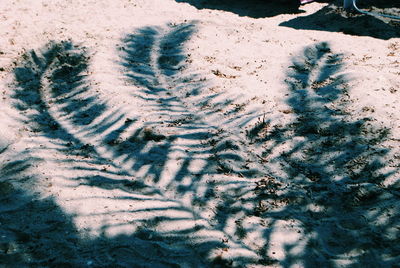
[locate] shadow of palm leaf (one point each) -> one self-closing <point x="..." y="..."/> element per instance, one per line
<point x="175" y="99"/>
<point x="155" y="63"/>
<point x="37" y="93"/>
<point x="183" y="189"/>
<point x="65" y="114"/>
<point x="51" y="92"/>
<point x="46" y="236"/>
<point x="340" y="198"/>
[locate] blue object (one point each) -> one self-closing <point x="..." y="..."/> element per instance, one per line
<point x="351" y="4"/>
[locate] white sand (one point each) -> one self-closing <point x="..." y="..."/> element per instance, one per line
<point x="154" y="134"/>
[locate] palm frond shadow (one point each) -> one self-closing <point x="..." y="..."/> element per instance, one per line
<point x="209" y="206"/>
<point x="46" y="236"/>
<point x="61" y="108"/>
<point x="61" y="67"/>
<point x="335" y="172"/>
<point x="176" y="98"/>
<point x="53" y="78"/>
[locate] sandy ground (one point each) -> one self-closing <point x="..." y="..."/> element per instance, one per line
<point x="162" y="133"/>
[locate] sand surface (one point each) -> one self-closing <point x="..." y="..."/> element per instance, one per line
<point x="163" y="133"/>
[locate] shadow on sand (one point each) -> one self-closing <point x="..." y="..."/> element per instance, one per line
<point x="59" y="106"/>
<point x="333" y="18"/>
<point x="250" y="8"/>
<point x="329" y="181"/>
<point x="335" y="171"/>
